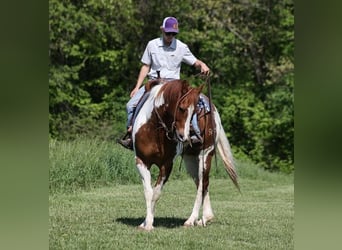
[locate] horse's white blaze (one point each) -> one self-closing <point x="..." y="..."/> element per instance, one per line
<point x="187" y="123"/>
<point x="146" y="111"/>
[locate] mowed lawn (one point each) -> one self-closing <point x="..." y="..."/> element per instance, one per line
<point x="261" y="217"/>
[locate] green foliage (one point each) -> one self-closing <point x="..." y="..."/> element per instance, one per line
<point x="265" y="127"/>
<point x="95" y="49"/>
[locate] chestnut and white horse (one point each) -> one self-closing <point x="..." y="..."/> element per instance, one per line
<point x="161" y="132"/>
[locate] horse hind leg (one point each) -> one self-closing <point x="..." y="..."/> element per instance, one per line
<point x="199" y="170"/>
<point x="208" y="214"/>
<point x="191" y="163"/>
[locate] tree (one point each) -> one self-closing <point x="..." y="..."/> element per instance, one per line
<point x="95" y="51"/>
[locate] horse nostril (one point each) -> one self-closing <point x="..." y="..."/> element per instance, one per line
<point x="180" y="136"/>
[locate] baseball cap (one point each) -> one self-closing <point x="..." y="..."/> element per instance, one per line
<point x="170" y="24"/>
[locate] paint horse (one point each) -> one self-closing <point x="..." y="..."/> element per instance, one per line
<point x="161" y="131"/>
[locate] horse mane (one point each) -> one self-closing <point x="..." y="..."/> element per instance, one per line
<point x="150" y="84"/>
<point x="174" y="89"/>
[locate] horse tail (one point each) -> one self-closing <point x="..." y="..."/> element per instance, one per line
<point x="225" y="152"/>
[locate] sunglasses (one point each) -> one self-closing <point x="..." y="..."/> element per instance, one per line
<point x="170" y="33"/>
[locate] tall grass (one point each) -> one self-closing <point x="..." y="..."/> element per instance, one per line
<point x="88" y="163"/>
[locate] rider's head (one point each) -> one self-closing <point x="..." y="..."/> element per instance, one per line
<point x="169" y="28"/>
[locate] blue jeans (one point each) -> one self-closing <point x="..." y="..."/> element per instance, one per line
<point x="132" y="104"/>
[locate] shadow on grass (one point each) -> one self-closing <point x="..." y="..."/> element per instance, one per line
<point x="158" y="222"/>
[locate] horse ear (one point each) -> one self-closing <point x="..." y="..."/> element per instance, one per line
<point x="200" y="88"/>
<point x="185" y="86"/>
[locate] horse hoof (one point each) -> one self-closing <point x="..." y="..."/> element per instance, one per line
<point x="200" y="223"/>
<point x="210" y="218"/>
<point x="188" y="224"/>
<point x="146" y="229"/>
<point x="204" y="221"/>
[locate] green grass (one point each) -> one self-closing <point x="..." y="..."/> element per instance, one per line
<point x="262" y="217"/>
<point x="96" y="202"/>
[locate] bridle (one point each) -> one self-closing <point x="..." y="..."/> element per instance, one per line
<point x="170" y="133"/>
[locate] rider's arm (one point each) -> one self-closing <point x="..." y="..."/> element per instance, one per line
<point x="143" y="73"/>
<point x="201" y="65"/>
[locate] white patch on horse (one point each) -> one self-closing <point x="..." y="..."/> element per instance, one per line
<point x="146" y="110"/>
<point x="148" y="191"/>
<point x="159" y="100"/>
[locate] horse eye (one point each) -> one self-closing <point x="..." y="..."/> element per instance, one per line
<point x="181" y="109"/>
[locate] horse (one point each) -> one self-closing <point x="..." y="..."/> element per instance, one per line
<point x="161" y="132"/>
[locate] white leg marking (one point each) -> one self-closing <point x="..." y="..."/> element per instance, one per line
<point x="208" y="214"/>
<point x="148" y="191"/>
<point x="192" y="220"/>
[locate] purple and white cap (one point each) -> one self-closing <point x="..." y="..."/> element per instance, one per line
<point x="170" y="24"/>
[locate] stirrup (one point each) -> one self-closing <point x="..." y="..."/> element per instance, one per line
<point x="126" y="141"/>
<point x="196" y="138"/>
<point x="127" y="135"/>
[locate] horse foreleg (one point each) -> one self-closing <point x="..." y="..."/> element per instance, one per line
<point x="148" y="192"/>
<point x="157" y="190"/>
<point x="164" y="173"/>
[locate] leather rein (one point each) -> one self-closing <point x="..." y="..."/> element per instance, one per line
<point x="170" y="132"/>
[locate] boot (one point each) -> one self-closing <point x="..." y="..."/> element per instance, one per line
<point x="126" y="141"/>
<point x="196" y="139"/>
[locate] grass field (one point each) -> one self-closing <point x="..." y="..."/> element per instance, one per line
<point x="105" y="215"/>
<point x="262" y="217"/>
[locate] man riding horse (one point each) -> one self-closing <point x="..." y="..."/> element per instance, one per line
<point x="165" y="55"/>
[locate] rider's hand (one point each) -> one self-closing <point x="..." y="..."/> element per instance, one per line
<point x="133" y="92"/>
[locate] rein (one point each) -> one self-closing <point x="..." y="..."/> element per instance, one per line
<point x="179" y="100"/>
<point x="207" y="82"/>
<point x="167" y="131"/>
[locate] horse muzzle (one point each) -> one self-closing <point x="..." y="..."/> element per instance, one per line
<point x="181" y="138"/>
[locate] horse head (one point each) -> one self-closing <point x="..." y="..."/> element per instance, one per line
<point x="175" y="105"/>
<point x="184" y="110"/>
